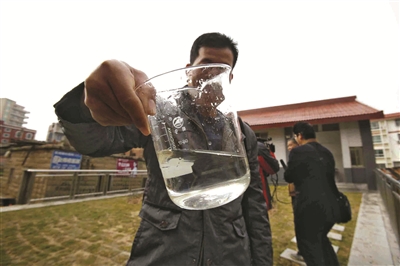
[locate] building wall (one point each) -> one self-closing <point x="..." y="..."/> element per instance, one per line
<point x="342" y="140"/>
<point x="369" y="158"/>
<point x="20" y="159"/>
<point x="55" y="133"/>
<point x="331" y="140"/>
<point x="12" y="113"/>
<point x="10" y="132"/>
<point x="350" y="137"/>
<point x="394" y="140"/>
<point x="386" y="140"/>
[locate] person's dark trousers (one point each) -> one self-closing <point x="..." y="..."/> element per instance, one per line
<point x="311" y="235"/>
<point x="293" y="206"/>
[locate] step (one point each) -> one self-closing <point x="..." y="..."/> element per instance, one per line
<point x="338" y="227"/>
<point x="336" y="248"/>
<point x="286" y="255"/>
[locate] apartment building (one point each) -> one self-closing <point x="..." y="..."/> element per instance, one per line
<point x="386" y="140"/>
<point x="55" y="133"/>
<point x="10" y="133"/>
<point x="11" y="113"/>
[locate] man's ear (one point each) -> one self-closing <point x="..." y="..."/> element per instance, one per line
<point x="188" y="65"/>
<point x="230" y="77"/>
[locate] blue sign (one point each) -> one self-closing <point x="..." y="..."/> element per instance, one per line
<point x="66" y="160"/>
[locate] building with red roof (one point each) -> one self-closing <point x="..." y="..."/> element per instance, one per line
<point x="341" y="124"/>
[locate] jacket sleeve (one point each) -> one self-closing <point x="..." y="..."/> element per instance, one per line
<point x="86" y="135"/>
<point x="254" y="208"/>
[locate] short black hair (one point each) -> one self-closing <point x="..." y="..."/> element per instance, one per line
<point x="306" y="130"/>
<point x="214" y="40"/>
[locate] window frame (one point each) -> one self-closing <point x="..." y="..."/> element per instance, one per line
<point x="376" y="136"/>
<point x="378" y="151"/>
<point x="356" y="157"/>
<point x="375" y="123"/>
<point x="28" y="135"/>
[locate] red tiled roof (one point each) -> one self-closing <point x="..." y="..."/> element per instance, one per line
<point x="390" y="116"/>
<point x="317" y="112"/>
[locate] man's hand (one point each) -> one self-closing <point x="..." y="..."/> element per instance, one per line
<point x="111" y="97"/>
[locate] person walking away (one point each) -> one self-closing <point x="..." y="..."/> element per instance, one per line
<point x="292" y="143"/>
<point x="311" y="167"/>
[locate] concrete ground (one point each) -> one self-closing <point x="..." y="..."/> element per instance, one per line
<point x="374" y="240"/>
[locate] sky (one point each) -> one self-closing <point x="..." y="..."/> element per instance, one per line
<point x="289" y="51"/>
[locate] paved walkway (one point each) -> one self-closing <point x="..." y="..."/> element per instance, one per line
<point x="374" y="241"/>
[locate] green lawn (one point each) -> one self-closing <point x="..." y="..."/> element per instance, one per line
<point x="282" y="226"/>
<point x="100" y="232"/>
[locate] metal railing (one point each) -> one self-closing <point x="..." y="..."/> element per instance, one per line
<point x="389" y="189"/>
<point x="40" y="185"/>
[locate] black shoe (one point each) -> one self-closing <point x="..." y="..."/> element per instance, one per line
<point x="297" y="257"/>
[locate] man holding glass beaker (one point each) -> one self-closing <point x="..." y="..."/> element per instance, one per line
<point x="105" y="115"/>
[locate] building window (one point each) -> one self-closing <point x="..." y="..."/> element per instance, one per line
<point x="397" y="122"/>
<point x="374" y="125"/>
<point x="7" y="129"/>
<point x="18" y="134"/>
<point x="376" y="139"/>
<point x="356" y="156"/>
<point x="6" y="135"/>
<point x="381" y="166"/>
<point x="315" y="127"/>
<point x="28" y="136"/>
<point x="379" y="153"/>
<point x="330" y="127"/>
<point x="4" y="141"/>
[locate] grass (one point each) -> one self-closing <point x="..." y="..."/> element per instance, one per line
<point x="101" y="232"/>
<point x="282" y="226"/>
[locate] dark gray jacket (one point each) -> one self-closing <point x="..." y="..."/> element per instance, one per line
<point x="311" y="167"/>
<point x="237" y="233"/>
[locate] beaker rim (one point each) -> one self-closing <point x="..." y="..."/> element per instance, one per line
<point x="187" y="68"/>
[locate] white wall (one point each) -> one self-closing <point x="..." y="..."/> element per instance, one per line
<point x="393" y="140"/>
<point x="350" y="137"/>
<point x="331" y="141"/>
<point x="278" y="139"/>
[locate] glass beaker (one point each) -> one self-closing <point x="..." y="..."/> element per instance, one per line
<point x="197" y="137"/>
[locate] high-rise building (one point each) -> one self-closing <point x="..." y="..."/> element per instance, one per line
<point x="55" y="133"/>
<point x="386" y="139"/>
<point x="11" y="113"/>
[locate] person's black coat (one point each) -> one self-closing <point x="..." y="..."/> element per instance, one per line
<point x="311" y="167"/>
